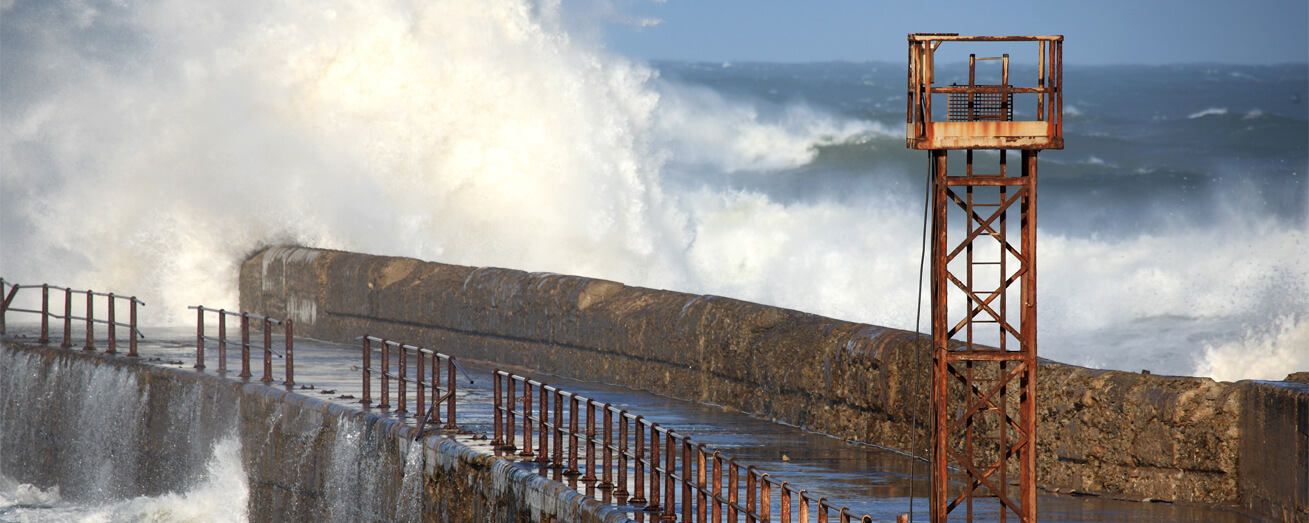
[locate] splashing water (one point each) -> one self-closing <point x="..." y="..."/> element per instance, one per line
<point x="149" y="148"/>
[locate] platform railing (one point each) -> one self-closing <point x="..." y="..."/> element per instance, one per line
<point x="662" y="462"/>
<point x="110" y="321"/>
<point x="266" y="324"/>
<point x="441" y="391"/>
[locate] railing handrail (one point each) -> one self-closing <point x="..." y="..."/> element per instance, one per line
<point x="424" y="350"/>
<point x="425" y="412"/>
<point x="248" y="315"/>
<point x="245" y="344"/>
<point x="757" y="481"/>
<point x="74" y="291"/>
<point x="133" y="332"/>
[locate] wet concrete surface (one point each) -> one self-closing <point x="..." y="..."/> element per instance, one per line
<point x="868" y="479"/>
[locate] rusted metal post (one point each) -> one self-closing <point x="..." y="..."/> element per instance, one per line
<point x="90" y="323"/>
<point x="607" y="479"/>
<point x="765" y="499"/>
<point x="420" y="394"/>
<point x="718" y="487"/>
<point x="199" y="337"/>
<point x="45" y="314"/>
<point x="131" y="345"/>
<point x="4" y="305"/>
<point x="589" y="473"/>
<point x="222" y="341"/>
<point x="558" y="460"/>
<point x="367" y="373"/>
<point x="670" y="473"/>
<point x="268" y="351"/>
<point x="68" y="319"/>
<point x="701" y="484"/>
<point x="497" y="407"/>
<point x="733" y="487"/>
<point x="386" y="376"/>
<point x="638" y="463"/>
<point x="573" y="407"/>
<point x="402" y="374"/>
<point x="687" y="498"/>
<point x="527" y="420"/>
<point x="655" y="480"/>
<point x="113" y="331"/>
<point x="750" y="494"/>
<point x="288" y="330"/>
<point x="245" y="346"/>
<point x="450" y="381"/>
<point x="543" y="427"/>
<point x="509" y="406"/>
<point x="622" y="454"/>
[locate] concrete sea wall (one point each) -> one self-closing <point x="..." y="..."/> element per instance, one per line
<point x="1147" y="436"/>
<point x="106" y="428"/>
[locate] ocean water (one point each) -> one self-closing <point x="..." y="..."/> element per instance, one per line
<point x="148" y="148"/>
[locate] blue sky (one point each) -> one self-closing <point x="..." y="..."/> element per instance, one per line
<point x="1096" y="32"/>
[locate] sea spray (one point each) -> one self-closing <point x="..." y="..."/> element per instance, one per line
<point x="491" y="134"/>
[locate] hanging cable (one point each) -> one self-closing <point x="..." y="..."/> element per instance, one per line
<point x="918" y="324"/>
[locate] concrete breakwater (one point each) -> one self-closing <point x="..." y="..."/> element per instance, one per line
<point x="105" y="428"/>
<point x="1147" y="436"/>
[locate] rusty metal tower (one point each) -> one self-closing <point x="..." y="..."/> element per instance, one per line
<point x="983" y="272"/>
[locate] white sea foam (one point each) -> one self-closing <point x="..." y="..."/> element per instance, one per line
<point x="219" y="497"/>
<point x="1212" y="111"/>
<point x="149" y="147"/>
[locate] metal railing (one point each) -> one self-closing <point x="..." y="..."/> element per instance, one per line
<point x="221" y="339"/>
<point x="423" y="412"/>
<point x="711" y="484"/>
<point x="110" y="321"/>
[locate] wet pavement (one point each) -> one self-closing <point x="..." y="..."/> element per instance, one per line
<point x="868" y="479"/>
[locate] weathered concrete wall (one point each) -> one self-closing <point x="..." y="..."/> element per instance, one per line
<point x="306" y="459"/>
<point x="1175" y="438"/>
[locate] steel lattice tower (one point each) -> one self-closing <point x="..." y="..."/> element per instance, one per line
<point x="984" y="360"/>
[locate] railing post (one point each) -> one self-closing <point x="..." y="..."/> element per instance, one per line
<point x="222" y="341"/>
<point x="4" y="304"/>
<point x="527" y="419"/>
<point x="765" y="499"/>
<point x="435" y="378"/>
<point x="510" y="404"/>
<point x="498" y="441"/>
<point x="450" y="380"/>
<point x="113" y="331"/>
<point x="367" y="372"/>
<point x="572" y="436"/>
<point x="718" y="487"/>
<point x="90" y="324"/>
<point x="245" y="346"/>
<point x="45" y="314"/>
<point x="687" y="498"/>
<point x="701" y="483"/>
<point x="268" y="351"/>
<point x="386" y="376"/>
<point x="622" y="454"/>
<point x="732" y="487"/>
<point x="638" y="468"/>
<point x="670" y="483"/>
<point x="543" y="428"/>
<point x="607" y="477"/>
<point x="420" y="394"/>
<point x="288" y="330"/>
<point x="655" y="446"/>
<point x="68" y="319"/>
<point x="750" y="514"/>
<point x="131" y="344"/>
<point x="558" y="461"/>
<point x="589" y="473"/>
<point x="402" y="401"/>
